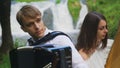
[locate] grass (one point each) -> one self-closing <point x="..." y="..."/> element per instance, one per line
<point x="6" y="62"/>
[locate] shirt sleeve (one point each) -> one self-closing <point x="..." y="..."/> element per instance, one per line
<point x="77" y="60"/>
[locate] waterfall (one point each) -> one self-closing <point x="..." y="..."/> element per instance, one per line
<point x="62" y="18"/>
<point x="55" y="16"/>
<point x="15" y="27"/>
<point x="82" y="13"/>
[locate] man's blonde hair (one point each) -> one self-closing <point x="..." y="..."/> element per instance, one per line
<point x="28" y="11"/>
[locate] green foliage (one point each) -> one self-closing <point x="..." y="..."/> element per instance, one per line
<point x="29" y="0"/>
<point x="5" y="63"/>
<point x="19" y="42"/>
<point x="110" y="8"/>
<point x="74" y="8"/>
<point x="73" y="5"/>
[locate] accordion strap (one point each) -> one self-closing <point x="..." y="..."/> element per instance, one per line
<point x="47" y="37"/>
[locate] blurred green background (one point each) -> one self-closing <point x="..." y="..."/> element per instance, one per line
<point x="109" y="8"/>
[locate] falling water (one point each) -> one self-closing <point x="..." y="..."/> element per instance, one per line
<point x="61" y="18"/>
<point x="58" y="19"/>
<point x="61" y="14"/>
<point x="82" y="13"/>
<point x="55" y="16"/>
<point x="15" y="27"/>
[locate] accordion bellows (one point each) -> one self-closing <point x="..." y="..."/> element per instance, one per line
<point x="46" y="56"/>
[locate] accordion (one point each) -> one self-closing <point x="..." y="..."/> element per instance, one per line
<point x="46" y="56"/>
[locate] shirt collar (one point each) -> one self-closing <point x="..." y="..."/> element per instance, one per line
<point x="45" y="33"/>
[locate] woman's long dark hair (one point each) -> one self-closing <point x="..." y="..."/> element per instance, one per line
<point x="88" y="34"/>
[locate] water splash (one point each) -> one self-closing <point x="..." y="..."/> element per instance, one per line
<point x="83" y="12"/>
<point x="62" y="18"/>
